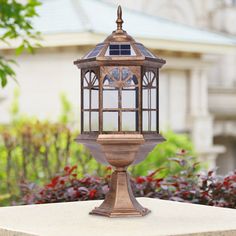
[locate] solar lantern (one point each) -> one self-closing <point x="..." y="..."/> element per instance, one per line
<point x="120" y="112"/>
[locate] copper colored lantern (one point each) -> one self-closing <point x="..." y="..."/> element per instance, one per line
<point x="119" y="112"/>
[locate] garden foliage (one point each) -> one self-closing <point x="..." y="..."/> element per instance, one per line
<point x="35" y="151"/>
<point x="207" y="189"/>
<point x="16" y="23"/>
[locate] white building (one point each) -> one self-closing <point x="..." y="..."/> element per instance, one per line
<point x="197" y="93"/>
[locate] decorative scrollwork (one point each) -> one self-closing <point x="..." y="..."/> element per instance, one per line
<point x="120" y="78"/>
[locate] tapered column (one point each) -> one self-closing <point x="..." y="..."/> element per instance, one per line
<point x="120" y="200"/>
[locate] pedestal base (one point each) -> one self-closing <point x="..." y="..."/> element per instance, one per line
<point x="120" y="201"/>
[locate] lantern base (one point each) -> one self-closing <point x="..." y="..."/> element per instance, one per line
<point x="120" y="201"/>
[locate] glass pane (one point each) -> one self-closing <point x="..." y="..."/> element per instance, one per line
<point x="86" y="121"/>
<point x="149" y="121"/>
<point x="125" y="73"/>
<point x="110" y="121"/>
<point x="94" y="121"/>
<point x="153" y="121"/>
<point x="145" y="98"/>
<point x="95" y="51"/>
<point x="144" y="50"/>
<point x="115" y="74"/>
<point x="153" y="98"/>
<point x="120" y="49"/>
<point x="86" y="98"/>
<point x="128" y="99"/>
<point x="86" y="80"/>
<point x="114" y="52"/>
<point x="94" y="98"/>
<point x="128" y="121"/>
<point x="145" y="121"/>
<point x="94" y="79"/>
<point x="131" y="82"/>
<point x="110" y="98"/>
<point x="125" y="46"/>
<point x="108" y="81"/>
<point x="154" y="82"/>
<point x="114" y="46"/>
<point x="125" y="52"/>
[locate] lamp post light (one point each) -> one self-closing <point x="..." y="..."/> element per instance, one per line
<point x="120" y="112"/>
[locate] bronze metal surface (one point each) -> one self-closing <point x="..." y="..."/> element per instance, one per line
<point x="138" y="74"/>
<point x="120" y="151"/>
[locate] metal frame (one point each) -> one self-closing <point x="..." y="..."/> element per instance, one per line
<point x="99" y="74"/>
<point x="138" y="63"/>
<point x="149" y="77"/>
<point x="93" y="75"/>
<point x="120" y="151"/>
<point x="121" y="85"/>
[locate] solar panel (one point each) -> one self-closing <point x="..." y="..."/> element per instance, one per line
<point x="144" y="51"/>
<point x="95" y="51"/>
<point x="119" y="50"/>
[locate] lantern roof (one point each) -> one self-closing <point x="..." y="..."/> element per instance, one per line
<point x="120" y="46"/>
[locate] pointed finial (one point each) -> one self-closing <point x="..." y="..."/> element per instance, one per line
<point x="119" y="20"/>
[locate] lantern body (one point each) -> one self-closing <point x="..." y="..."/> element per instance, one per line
<point x="113" y="95"/>
<point x="120" y="112"/>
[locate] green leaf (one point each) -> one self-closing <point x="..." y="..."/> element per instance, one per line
<point x="20" y="49"/>
<point x="16" y="22"/>
<point x="3" y="81"/>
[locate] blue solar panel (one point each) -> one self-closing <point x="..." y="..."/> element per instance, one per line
<point x="144" y="51"/>
<point x="119" y="50"/>
<point x="95" y="51"/>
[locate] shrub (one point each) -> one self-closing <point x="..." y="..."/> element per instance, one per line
<point x="175" y="145"/>
<point x="207" y="189"/>
<point x="65" y="188"/>
<point x="35" y="151"/>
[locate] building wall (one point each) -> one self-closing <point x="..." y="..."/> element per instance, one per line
<point x="173" y="100"/>
<point x="41" y="79"/>
<point x="50" y="72"/>
<point x="216" y="15"/>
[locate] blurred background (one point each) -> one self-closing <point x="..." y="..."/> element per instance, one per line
<point x="197" y="85"/>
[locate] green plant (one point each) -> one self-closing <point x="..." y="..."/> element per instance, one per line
<point x="206" y="188"/>
<point x="14" y="108"/>
<point x="176" y="145"/>
<point x="15" y="23"/>
<point x="67" y="115"/>
<point x="36" y="151"/>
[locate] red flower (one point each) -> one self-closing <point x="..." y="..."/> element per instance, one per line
<point x="149" y="179"/>
<point x="69" y="170"/>
<point x="53" y="183"/>
<point x="72" y="169"/>
<point x="140" y="180"/>
<point x="92" y="193"/>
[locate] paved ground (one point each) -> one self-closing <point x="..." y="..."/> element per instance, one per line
<point x="68" y="219"/>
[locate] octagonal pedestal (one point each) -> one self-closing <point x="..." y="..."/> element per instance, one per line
<point x="120" y="200"/>
<point x="120" y="151"/>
